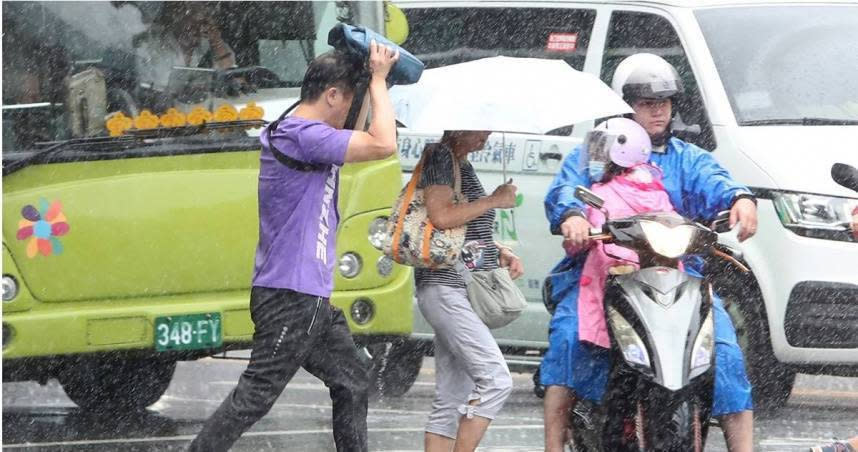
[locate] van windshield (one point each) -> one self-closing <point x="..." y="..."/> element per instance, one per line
<point x="786" y="65"/>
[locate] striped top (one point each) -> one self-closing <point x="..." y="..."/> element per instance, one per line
<point x="480" y="251"/>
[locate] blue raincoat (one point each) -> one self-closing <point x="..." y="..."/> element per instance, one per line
<point x="699" y="188"/>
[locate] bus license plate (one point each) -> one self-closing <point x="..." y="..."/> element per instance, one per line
<point x="188" y="332"/>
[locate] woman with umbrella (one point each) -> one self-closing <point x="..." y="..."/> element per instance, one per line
<point x="471" y="376"/>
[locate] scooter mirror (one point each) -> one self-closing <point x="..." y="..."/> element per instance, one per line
<point x="721" y="222"/>
<point x="588" y="197"/>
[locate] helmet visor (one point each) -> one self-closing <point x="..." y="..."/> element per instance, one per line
<point x="653" y="89"/>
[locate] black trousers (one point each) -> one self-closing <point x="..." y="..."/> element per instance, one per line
<point x="294" y="330"/>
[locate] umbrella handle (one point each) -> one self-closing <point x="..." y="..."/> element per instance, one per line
<point x="503" y="155"/>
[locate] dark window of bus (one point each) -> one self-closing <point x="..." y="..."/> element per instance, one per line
<point x="630" y="33"/>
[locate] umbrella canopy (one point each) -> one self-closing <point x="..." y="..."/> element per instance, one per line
<point x="525" y="95"/>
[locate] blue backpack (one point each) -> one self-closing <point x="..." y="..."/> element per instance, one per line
<point x="356" y="39"/>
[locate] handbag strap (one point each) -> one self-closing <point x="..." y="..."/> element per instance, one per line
<point x="406" y="201"/>
<point x="457" y="175"/>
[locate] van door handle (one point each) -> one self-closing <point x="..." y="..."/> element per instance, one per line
<point x="550" y="156"/>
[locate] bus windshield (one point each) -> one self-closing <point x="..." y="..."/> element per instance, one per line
<point x="69" y="67"/>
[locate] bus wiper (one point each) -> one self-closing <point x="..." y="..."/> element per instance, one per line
<point x="801" y="122"/>
<point x="53" y="147"/>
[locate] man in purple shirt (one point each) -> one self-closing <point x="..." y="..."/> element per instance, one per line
<point x="295" y="324"/>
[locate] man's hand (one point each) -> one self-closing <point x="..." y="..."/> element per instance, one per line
<point x="744" y="211"/>
<point x="576" y="230"/>
<point x="381" y="59"/>
<point x="512" y="262"/>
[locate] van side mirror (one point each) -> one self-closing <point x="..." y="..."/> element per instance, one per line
<point x="845" y="175"/>
<point x="589" y="198"/>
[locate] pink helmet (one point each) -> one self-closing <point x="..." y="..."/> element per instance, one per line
<point x="631" y="145"/>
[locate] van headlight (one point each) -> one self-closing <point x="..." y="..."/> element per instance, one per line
<point x="817" y="216"/>
<point x="378" y="232"/>
<point x="701" y="352"/>
<point x="667" y="241"/>
<point x="633" y="348"/>
<point x="350" y="265"/>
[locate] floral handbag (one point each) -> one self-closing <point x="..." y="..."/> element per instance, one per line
<point x="411" y="238"/>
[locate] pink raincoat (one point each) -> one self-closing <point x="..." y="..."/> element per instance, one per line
<point x="637" y="191"/>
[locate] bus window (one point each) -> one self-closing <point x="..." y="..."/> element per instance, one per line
<point x="69" y="65"/>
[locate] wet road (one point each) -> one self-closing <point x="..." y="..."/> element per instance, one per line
<point x="43" y="418"/>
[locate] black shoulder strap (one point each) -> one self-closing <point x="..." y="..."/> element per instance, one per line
<point x="295" y="164"/>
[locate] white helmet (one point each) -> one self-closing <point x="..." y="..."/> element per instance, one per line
<point x="646" y="76"/>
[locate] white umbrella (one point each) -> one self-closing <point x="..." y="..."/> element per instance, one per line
<point x="526" y="95"/>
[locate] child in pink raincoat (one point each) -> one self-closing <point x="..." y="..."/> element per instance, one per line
<point x="631" y="186"/>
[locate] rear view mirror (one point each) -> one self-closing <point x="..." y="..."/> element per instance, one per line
<point x="721" y="222"/>
<point x="588" y="197"/>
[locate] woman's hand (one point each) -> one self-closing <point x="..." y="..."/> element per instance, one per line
<point x="509" y="260"/>
<point x="504" y="196"/>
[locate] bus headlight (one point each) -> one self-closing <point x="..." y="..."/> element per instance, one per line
<point x="10" y="288"/>
<point x="350" y="265"/>
<point x="384" y="266"/>
<point x="362" y="311"/>
<point x="378" y="232"/>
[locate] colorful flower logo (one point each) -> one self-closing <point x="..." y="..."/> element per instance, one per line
<point x="42" y="226"/>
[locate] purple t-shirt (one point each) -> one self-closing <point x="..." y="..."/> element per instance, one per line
<point x="298" y="209"/>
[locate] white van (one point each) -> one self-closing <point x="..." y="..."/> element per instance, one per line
<point x="771" y="90"/>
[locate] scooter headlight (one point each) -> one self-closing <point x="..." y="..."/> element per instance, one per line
<point x="704" y="344"/>
<point x="667" y="241"/>
<point x="633" y="348"/>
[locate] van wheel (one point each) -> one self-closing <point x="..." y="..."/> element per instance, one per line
<point x="771" y="381"/>
<point x="116" y="385"/>
<point x="395" y="367"/>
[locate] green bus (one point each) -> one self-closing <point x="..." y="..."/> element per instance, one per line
<point x="130" y="162"/>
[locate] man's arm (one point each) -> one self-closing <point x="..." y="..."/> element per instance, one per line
<point x="566" y="213"/>
<point x="710" y="189"/>
<point x="707" y="188"/>
<point x="380" y="141"/>
<point x="560" y="201"/>
<point x="222" y="55"/>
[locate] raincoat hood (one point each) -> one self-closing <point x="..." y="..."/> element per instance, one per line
<point x="799" y="158"/>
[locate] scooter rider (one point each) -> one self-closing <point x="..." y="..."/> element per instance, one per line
<point x="699" y="188"/>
